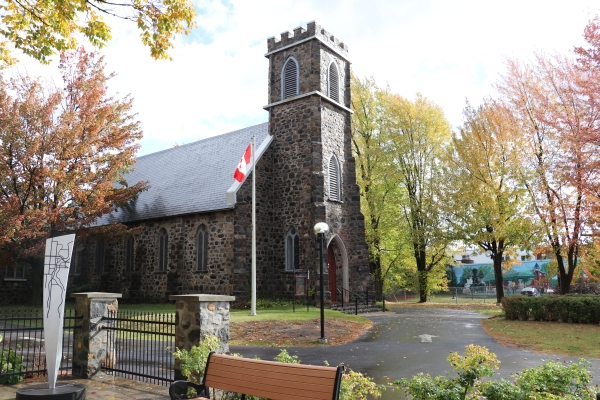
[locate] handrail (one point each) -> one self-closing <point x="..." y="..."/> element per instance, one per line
<point x="343" y="291"/>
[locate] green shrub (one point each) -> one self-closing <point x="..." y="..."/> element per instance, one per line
<point x="10" y="362"/>
<point x="553" y="380"/>
<point x="477" y="362"/>
<point x="574" y="308"/>
<point x="356" y="386"/>
<point x="193" y="362"/>
<point x="262" y="304"/>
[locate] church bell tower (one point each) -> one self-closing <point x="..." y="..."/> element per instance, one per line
<point x="313" y="173"/>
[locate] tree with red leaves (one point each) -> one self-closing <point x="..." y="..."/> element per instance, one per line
<point x="61" y="152"/>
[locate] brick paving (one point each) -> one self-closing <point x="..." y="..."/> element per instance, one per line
<point x="101" y="387"/>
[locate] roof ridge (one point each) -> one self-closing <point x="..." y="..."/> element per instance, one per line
<point x="202" y="140"/>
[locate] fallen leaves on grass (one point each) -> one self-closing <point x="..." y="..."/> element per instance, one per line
<point x="275" y="333"/>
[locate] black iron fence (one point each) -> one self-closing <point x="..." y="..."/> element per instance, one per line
<point x="22" y="351"/>
<point x="141" y="346"/>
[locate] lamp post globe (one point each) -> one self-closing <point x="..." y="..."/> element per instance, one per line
<point x="321" y="228"/>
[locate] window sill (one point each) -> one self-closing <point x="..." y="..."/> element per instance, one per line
<point x="336" y="201"/>
<point x="15" y="279"/>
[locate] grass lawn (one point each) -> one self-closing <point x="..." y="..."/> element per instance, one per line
<point x="284" y="313"/>
<point x="577" y="340"/>
<point x="487" y="307"/>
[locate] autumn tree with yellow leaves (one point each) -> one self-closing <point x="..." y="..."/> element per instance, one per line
<point x="42" y="28"/>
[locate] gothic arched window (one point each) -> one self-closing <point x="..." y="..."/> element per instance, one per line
<point x="100" y="256"/>
<point x="292" y="250"/>
<point x="129" y="254"/>
<point x="202" y="249"/>
<point x="333" y="83"/>
<point x="163" y="241"/>
<point x="334" y="181"/>
<point x="289" y="79"/>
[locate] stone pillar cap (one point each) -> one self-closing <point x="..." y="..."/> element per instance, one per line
<point x="96" y="295"/>
<point x="202" y="297"/>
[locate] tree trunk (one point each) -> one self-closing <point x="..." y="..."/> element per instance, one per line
<point x="422" y="286"/>
<point x="420" y="258"/>
<point x="375" y="267"/>
<point x="564" y="278"/>
<point x="498" y="277"/>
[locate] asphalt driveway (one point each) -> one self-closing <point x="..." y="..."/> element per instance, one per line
<point x="408" y="341"/>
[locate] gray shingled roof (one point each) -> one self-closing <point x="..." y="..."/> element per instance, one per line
<point x="187" y="179"/>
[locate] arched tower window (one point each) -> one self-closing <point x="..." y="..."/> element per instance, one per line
<point x="334" y="181"/>
<point x="292" y="250"/>
<point x="289" y="79"/>
<point x="129" y="254"/>
<point x="163" y="241"/>
<point x="333" y="83"/>
<point x="202" y="249"/>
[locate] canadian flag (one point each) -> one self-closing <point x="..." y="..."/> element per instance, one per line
<point x="240" y="171"/>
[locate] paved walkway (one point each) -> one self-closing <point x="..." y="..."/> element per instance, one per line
<point x="101" y="387"/>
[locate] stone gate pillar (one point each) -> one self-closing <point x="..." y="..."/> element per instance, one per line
<point x="90" y="340"/>
<point x="198" y="315"/>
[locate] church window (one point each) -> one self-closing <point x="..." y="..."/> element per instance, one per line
<point x="129" y="254"/>
<point x="76" y="260"/>
<point x="202" y="249"/>
<point x="16" y="271"/>
<point x="333" y="86"/>
<point x="289" y="79"/>
<point x="335" y="187"/>
<point x="100" y="256"/>
<point x="162" y="250"/>
<point x="292" y="250"/>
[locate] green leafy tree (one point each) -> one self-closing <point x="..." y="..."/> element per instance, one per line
<point x="418" y="134"/>
<point x="379" y="195"/>
<point x="485" y="203"/>
<point x="41" y="28"/>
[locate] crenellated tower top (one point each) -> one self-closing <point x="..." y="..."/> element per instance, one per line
<point x="300" y="34"/>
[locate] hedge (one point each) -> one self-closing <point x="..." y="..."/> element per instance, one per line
<point x="573" y="308"/>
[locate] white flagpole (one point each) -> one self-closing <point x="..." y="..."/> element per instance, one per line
<point x="253" y="301"/>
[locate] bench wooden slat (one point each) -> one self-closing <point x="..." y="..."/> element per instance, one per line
<point x="271" y="392"/>
<point x="316" y="387"/>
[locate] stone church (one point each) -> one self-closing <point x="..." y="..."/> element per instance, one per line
<point x="194" y="223"/>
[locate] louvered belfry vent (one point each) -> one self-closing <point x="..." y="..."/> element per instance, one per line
<point x="334" y="179"/>
<point x="334" y="83"/>
<point x="290" y="78"/>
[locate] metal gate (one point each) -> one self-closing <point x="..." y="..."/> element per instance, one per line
<point x="140" y="346"/>
<point x="22" y="352"/>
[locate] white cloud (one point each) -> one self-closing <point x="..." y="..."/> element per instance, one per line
<point x="217" y="80"/>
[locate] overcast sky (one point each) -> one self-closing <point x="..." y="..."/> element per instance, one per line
<point x="217" y="82"/>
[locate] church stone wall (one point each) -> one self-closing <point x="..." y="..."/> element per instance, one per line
<point x="144" y="282"/>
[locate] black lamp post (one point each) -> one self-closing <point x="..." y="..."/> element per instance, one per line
<point x="321" y="228"/>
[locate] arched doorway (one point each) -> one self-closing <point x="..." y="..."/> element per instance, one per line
<point x="336" y="246"/>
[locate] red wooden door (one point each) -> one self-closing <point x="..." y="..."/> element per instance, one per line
<point x="332" y="273"/>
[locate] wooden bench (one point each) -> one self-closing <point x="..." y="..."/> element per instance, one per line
<point x="268" y="379"/>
